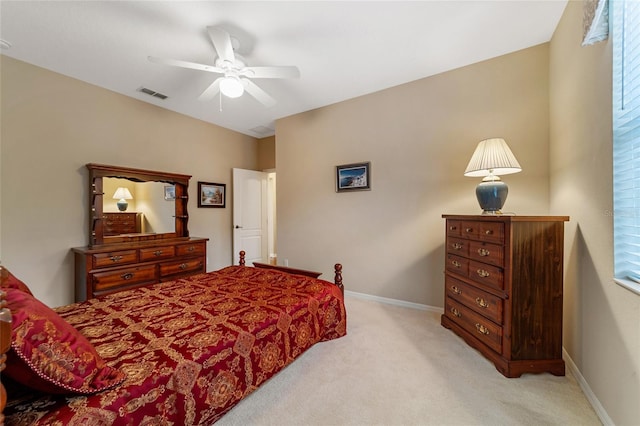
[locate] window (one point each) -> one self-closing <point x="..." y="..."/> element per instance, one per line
<point x="626" y="141"/>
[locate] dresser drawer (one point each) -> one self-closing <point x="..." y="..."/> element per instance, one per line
<point x="458" y="246"/>
<point x="114" y="258"/>
<point x="486" y="253"/>
<point x="478" y="326"/>
<point x="492" y="232"/>
<point x="123" y="277"/>
<point x="453" y="228"/>
<point x="195" y="249"/>
<point x="155" y="253"/>
<point x="488" y="275"/>
<point x="190" y="266"/>
<point x="482" y="302"/>
<point x="457" y="265"/>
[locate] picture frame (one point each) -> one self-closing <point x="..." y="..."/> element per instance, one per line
<point x="353" y="177"/>
<point x="211" y="194"/>
<point x="170" y="192"/>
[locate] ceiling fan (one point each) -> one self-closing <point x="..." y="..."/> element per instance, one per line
<point x="236" y="75"/>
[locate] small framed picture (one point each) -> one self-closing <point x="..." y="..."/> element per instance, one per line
<point x="353" y="177"/>
<point x="169" y="192"/>
<point x="211" y="194"/>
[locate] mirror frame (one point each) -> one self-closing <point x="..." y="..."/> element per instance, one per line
<point x="96" y="194"/>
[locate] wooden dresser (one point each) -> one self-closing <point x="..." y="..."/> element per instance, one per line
<point x="122" y="223"/>
<point x="503" y="289"/>
<point x="111" y="268"/>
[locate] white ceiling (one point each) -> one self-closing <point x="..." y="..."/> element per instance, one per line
<point x="343" y="49"/>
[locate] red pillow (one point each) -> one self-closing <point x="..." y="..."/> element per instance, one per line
<point x="49" y="355"/>
<point x="8" y="280"/>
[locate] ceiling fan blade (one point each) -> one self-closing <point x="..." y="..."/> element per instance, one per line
<point x="185" y="64"/>
<point x="211" y="91"/>
<point x="271" y="72"/>
<point x="222" y="42"/>
<point x="260" y="95"/>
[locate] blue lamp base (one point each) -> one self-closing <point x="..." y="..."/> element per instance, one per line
<point x="122" y="205"/>
<point x="491" y="196"/>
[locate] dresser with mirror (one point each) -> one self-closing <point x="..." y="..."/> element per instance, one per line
<point x="137" y="240"/>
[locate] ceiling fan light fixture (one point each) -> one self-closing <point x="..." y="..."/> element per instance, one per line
<point x="231" y="87"/>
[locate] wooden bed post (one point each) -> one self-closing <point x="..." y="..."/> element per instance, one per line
<point x="242" y="253"/>
<point x="338" y="277"/>
<point x="5" y="344"/>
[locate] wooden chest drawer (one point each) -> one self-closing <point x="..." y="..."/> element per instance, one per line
<point x="486" y="253"/>
<point x="155" y="253"/>
<point x="453" y="228"/>
<point x="124" y="276"/>
<point x="458" y="246"/>
<point x="195" y="249"/>
<point x="480" y="327"/>
<point x="482" y="302"/>
<point x="114" y="258"/>
<point x="457" y="265"/>
<point x="190" y="266"/>
<point x="484" y="231"/>
<point x="485" y="274"/>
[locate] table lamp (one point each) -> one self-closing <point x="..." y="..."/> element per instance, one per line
<point x="122" y="194"/>
<point x="491" y="159"/>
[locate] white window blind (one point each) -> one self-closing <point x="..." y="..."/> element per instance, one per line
<point x="626" y="137"/>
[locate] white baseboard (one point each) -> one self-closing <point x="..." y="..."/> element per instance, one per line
<point x="395" y="302"/>
<point x="586" y="389"/>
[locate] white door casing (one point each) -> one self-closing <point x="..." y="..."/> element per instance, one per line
<point x="250" y="215"/>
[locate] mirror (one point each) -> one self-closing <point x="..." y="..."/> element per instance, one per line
<point x="154" y="205"/>
<point x="150" y="208"/>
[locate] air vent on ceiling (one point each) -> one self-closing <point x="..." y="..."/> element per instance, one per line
<point x="263" y="130"/>
<point x="152" y="93"/>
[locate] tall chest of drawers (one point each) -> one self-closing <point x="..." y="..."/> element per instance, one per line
<point x="503" y="289"/>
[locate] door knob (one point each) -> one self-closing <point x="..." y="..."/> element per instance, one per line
<point x="238" y="226"/>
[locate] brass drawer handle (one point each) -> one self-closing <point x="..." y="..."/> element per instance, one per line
<point x="456" y="290"/>
<point x="456" y="263"/>
<point x="456" y="312"/>
<point x="191" y="248"/>
<point x="482" y="273"/>
<point x="126" y="276"/>
<point x="469" y="230"/>
<point x="483" y="252"/>
<point x="116" y="258"/>
<point x="157" y="252"/>
<point x="457" y="246"/>
<point x="184" y="266"/>
<point x="481" y="302"/>
<point x="482" y="329"/>
<point x="453" y="228"/>
<point x="488" y="232"/>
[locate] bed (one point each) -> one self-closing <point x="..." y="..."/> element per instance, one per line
<point x="182" y="352"/>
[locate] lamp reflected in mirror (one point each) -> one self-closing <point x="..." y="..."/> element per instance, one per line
<point x="122" y="195"/>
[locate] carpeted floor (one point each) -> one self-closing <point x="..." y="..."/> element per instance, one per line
<point x="399" y="366"/>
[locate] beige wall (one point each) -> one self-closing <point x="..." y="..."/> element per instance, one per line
<point x="267" y="153"/>
<point x="52" y="126"/>
<point x="419" y="138"/>
<point x="602" y="319"/>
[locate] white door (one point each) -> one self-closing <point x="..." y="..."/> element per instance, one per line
<point x="250" y="215"/>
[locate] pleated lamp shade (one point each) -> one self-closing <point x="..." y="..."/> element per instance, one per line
<point x="492" y="158"/>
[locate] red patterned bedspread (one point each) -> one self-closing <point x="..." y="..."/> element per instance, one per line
<point x="191" y="348"/>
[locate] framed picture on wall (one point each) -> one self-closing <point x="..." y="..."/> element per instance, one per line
<point x="169" y="192"/>
<point x="353" y="177"/>
<point x="211" y="194"/>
